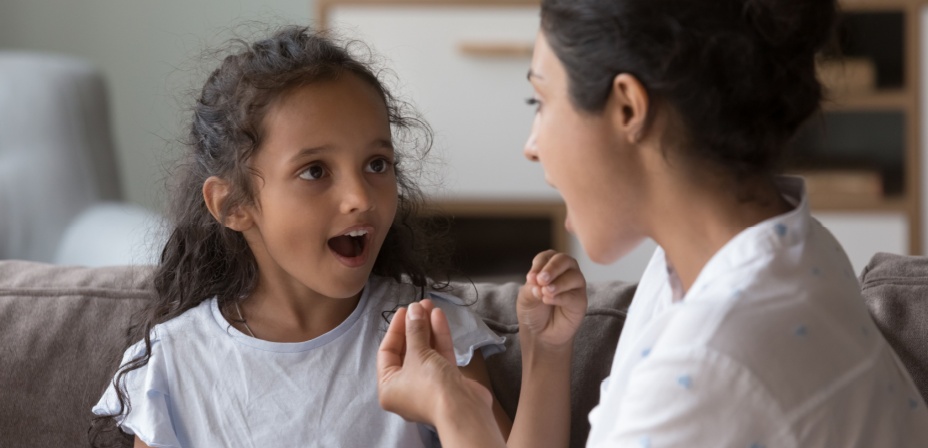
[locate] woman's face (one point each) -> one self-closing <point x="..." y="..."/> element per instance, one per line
<point x="588" y="159"/>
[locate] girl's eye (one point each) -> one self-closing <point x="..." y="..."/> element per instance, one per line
<point x="313" y="172"/>
<point x="534" y="102"/>
<point x="379" y="165"/>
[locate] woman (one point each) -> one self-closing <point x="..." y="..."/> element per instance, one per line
<point x="668" y="119"/>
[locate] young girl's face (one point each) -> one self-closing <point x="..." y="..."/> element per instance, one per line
<point x="595" y="169"/>
<point x="326" y="190"/>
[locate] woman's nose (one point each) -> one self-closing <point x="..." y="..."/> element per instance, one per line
<point x="530" y="151"/>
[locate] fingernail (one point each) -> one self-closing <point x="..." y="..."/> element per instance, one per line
<point x="549" y="288"/>
<point x="414" y="312"/>
<point x="544" y="277"/>
<point x="536" y="291"/>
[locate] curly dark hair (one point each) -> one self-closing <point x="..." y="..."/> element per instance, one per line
<point x="739" y="74"/>
<point x="204" y="259"/>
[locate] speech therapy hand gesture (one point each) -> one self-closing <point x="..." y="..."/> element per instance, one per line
<point x="416" y="367"/>
<point x="552" y="303"/>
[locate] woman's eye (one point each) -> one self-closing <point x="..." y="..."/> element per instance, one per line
<point x="534" y="102"/>
<point x="379" y="165"/>
<point x="313" y="172"/>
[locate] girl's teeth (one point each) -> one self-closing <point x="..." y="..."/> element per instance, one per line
<point x="357" y="233"/>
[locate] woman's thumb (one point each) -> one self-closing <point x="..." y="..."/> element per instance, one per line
<point x="418" y="330"/>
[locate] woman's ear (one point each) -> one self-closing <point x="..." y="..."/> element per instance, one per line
<point x="215" y="192"/>
<point x="629" y="105"/>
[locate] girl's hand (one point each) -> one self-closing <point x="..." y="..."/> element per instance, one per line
<point x="418" y="377"/>
<point x="552" y="303"/>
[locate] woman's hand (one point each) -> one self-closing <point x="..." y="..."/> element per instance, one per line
<point x="552" y="303"/>
<point x="418" y="377"/>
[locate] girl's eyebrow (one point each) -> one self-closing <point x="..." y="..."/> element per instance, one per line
<point x="315" y="151"/>
<point x="306" y="152"/>
<point x="533" y="74"/>
<point x="384" y="143"/>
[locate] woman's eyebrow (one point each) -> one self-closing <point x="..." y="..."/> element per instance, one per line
<point x="532" y="74"/>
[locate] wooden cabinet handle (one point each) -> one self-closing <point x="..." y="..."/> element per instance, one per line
<point x="496" y="49"/>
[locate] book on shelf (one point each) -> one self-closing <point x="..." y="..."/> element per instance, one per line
<point x="851" y="75"/>
<point x="843" y="184"/>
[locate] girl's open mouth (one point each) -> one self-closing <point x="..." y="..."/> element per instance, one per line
<point x="350" y="247"/>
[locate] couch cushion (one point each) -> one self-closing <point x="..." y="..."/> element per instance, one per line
<point x="895" y="288"/>
<point x="593" y="350"/>
<point x="62" y="330"/>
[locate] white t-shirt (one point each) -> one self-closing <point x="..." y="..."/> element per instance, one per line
<point x="209" y="385"/>
<point x="772" y="346"/>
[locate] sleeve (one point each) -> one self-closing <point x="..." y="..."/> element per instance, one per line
<point x="148" y="416"/>
<point x="467" y="329"/>
<point x="691" y="399"/>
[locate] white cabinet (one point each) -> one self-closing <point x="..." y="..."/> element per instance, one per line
<point x="864" y="234"/>
<point x="475" y="101"/>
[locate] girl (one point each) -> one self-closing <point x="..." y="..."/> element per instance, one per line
<point x="667" y="119"/>
<point x="294" y="235"/>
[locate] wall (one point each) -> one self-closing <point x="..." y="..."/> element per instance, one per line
<point x="148" y="52"/>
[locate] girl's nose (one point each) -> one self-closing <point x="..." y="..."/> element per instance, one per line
<point x="357" y="196"/>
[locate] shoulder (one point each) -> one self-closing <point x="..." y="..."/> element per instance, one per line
<point x="468" y="330"/>
<point x="677" y="394"/>
<point x="194" y="321"/>
<point x="389" y="293"/>
<point x="192" y="324"/>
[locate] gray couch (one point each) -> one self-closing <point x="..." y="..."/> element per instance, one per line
<point x="62" y="330"/>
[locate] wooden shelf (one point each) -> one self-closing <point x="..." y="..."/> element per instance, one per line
<point x="877" y="5"/>
<point x="852" y="204"/>
<point x="555" y="211"/>
<point x="885" y="100"/>
<point x="497" y="49"/>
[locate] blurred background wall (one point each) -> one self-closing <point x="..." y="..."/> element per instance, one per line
<point x="147" y="51"/>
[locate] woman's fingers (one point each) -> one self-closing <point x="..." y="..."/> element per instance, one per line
<point x="393" y="347"/>
<point x="418" y="329"/>
<point x="441" y="333"/>
<point x="538" y="263"/>
<point x="556" y="265"/>
<point x="571" y="280"/>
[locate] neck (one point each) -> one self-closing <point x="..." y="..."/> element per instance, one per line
<point x="696" y="219"/>
<point x="282" y="315"/>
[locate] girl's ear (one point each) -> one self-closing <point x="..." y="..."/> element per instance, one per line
<point x="629" y="104"/>
<point x="215" y="192"/>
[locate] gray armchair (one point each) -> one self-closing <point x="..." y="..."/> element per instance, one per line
<point x="60" y="192"/>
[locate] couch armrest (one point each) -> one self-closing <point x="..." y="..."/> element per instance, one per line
<point x="895" y="288"/>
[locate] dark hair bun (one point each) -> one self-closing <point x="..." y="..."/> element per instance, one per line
<point x="792" y="25"/>
<point x="740" y="73"/>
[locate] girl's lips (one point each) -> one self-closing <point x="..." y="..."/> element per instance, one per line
<point x="353" y="261"/>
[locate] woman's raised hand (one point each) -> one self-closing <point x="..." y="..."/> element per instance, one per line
<point x="418" y="377"/>
<point x="552" y="303"/>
